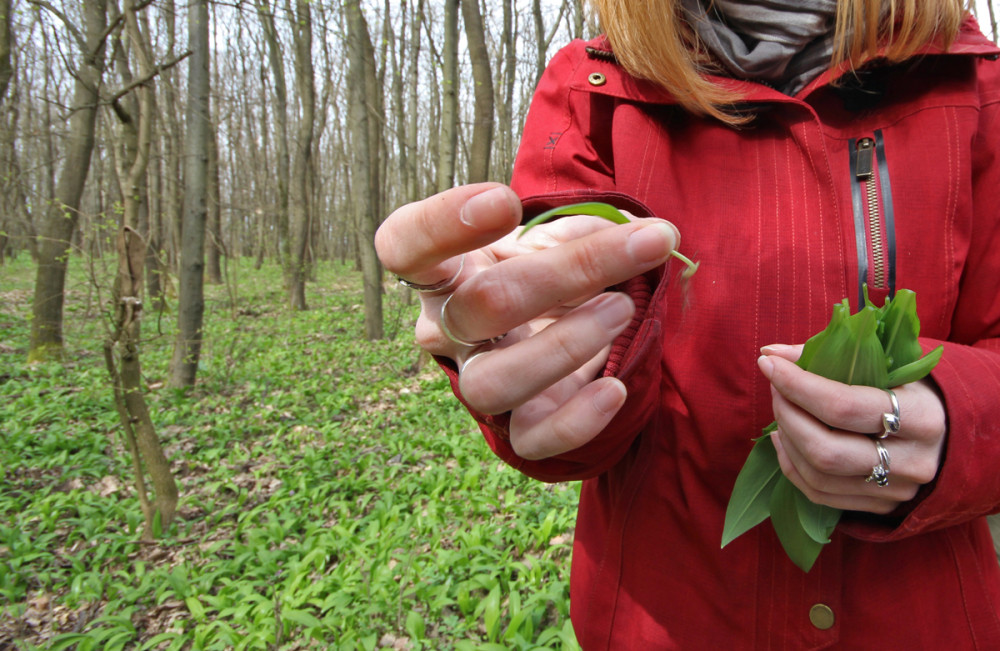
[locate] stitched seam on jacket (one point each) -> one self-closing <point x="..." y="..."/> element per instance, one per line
<point x="951" y="129"/>
<point x="626" y="516"/>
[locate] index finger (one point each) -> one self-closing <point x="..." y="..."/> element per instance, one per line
<point x="417" y="237"/>
<point x="853" y="408"/>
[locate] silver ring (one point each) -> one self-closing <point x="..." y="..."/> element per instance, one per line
<point x="462" y="342"/>
<point x="890" y="422"/>
<point x="880" y="472"/>
<point x="436" y="287"/>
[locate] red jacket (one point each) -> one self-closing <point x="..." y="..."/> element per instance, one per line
<point x="777" y="214"/>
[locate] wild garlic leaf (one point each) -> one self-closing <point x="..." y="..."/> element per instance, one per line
<point x="800" y="548"/>
<point x="899" y="337"/>
<point x="595" y="208"/>
<point x="752" y="493"/>
<point x="917" y="370"/>
<point x="817" y="520"/>
<point x="606" y="211"/>
<point x="848" y="350"/>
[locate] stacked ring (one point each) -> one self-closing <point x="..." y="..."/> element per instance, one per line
<point x="880" y="472"/>
<point x="435" y="287"/>
<point x="462" y="342"/>
<point x="890" y="422"/>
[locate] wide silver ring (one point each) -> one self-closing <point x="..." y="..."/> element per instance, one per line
<point x="880" y="472"/>
<point x="436" y="287"/>
<point x="458" y="340"/>
<point x="890" y="422"/>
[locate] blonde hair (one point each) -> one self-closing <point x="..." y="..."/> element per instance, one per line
<point x="653" y="40"/>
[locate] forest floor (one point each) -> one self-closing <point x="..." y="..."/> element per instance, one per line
<point x="333" y="492"/>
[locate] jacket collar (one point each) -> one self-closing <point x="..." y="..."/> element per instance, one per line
<point x="970" y="41"/>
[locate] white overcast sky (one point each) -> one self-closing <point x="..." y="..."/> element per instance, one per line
<point x="982" y="12"/>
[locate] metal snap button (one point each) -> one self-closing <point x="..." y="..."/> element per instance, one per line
<point x="821" y="616"/>
<point x="597" y="79"/>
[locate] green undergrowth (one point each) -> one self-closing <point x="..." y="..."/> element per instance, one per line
<point x="333" y="492"/>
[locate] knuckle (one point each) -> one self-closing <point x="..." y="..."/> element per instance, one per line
<point x="826" y="459"/>
<point x="923" y="472"/>
<point x="482" y="392"/>
<point x="840" y="409"/>
<point x="589" y="265"/>
<point x="428" y="334"/>
<point x="524" y="447"/>
<point x="492" y="297"/>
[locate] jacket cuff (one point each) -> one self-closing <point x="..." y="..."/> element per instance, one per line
<point x="967" y="485"/>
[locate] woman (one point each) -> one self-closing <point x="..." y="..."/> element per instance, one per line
<point x="803" y="150"/>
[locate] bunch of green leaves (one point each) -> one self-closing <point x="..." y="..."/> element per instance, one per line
<point x="875" y="347"/>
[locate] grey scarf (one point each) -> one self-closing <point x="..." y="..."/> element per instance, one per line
<point x="783" y="43"/>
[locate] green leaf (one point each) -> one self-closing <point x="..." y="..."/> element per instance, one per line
<point x="818" y="521"/>
<point x="749" y="504"/>
<point x="917" y="370"/>
<point x="899" y="336"/>
<point x="606" y="211"/>
<point x="415" y="625"/>
<point x="66" y="640"/>
<point x="195" y="608"/>
<point x="302" y="618"/>
<point x="849" y="350"/>
<point x="595" y="208"/>
<point x="800" y="547"/>
<point x="840" y="313"/>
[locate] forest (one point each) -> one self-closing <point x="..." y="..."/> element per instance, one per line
<point x="216" y="430"/>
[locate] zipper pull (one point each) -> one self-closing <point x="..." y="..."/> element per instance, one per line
<point x="865" y="159"/>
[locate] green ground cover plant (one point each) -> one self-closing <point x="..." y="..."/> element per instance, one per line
<point x="333" y="492"/>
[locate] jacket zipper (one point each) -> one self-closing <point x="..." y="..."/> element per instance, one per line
<point x="873" y="216"/>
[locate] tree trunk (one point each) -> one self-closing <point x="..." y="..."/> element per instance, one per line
<point x="360" y="45"/>
<point x="299" y="199"/>
<point x="482" y="78"/>
<point x="6" y="68"/>
<point x="449" y="102"/>
<point x="413" y="188"/>
<point x="126" y="378"/>
<point x="59" y="222"/>
<point x="213" y="228"/>
<point x="275" y="60"/>
<point x="191" y="303"/>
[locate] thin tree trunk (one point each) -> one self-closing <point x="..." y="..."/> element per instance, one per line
<point x="213" y="227"/>
<point x="412" y="129"/>
<point x="482" y="78"/>
<point x="60" y="220"/>
<point x="280" y="113"/>
<point x="359" y="44"/>
<point x="191" y="303"/>
<point x="299" y="196"/>
<point x="6" y="67"/>
<point x="126" y="377"/>
<point x="449" y="102"/>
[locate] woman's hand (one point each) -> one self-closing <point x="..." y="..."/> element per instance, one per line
<point x="544" y="293"/>
<point x="825" y="435"/>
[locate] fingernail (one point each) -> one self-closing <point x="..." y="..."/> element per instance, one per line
<point x="480" y="211"/>
<point x="766" y="365"/>
<point x="772" y="349"/>
<point x="651" y="243"/>
<point x="613" y="310"/>
<point x="610" y="398"/>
